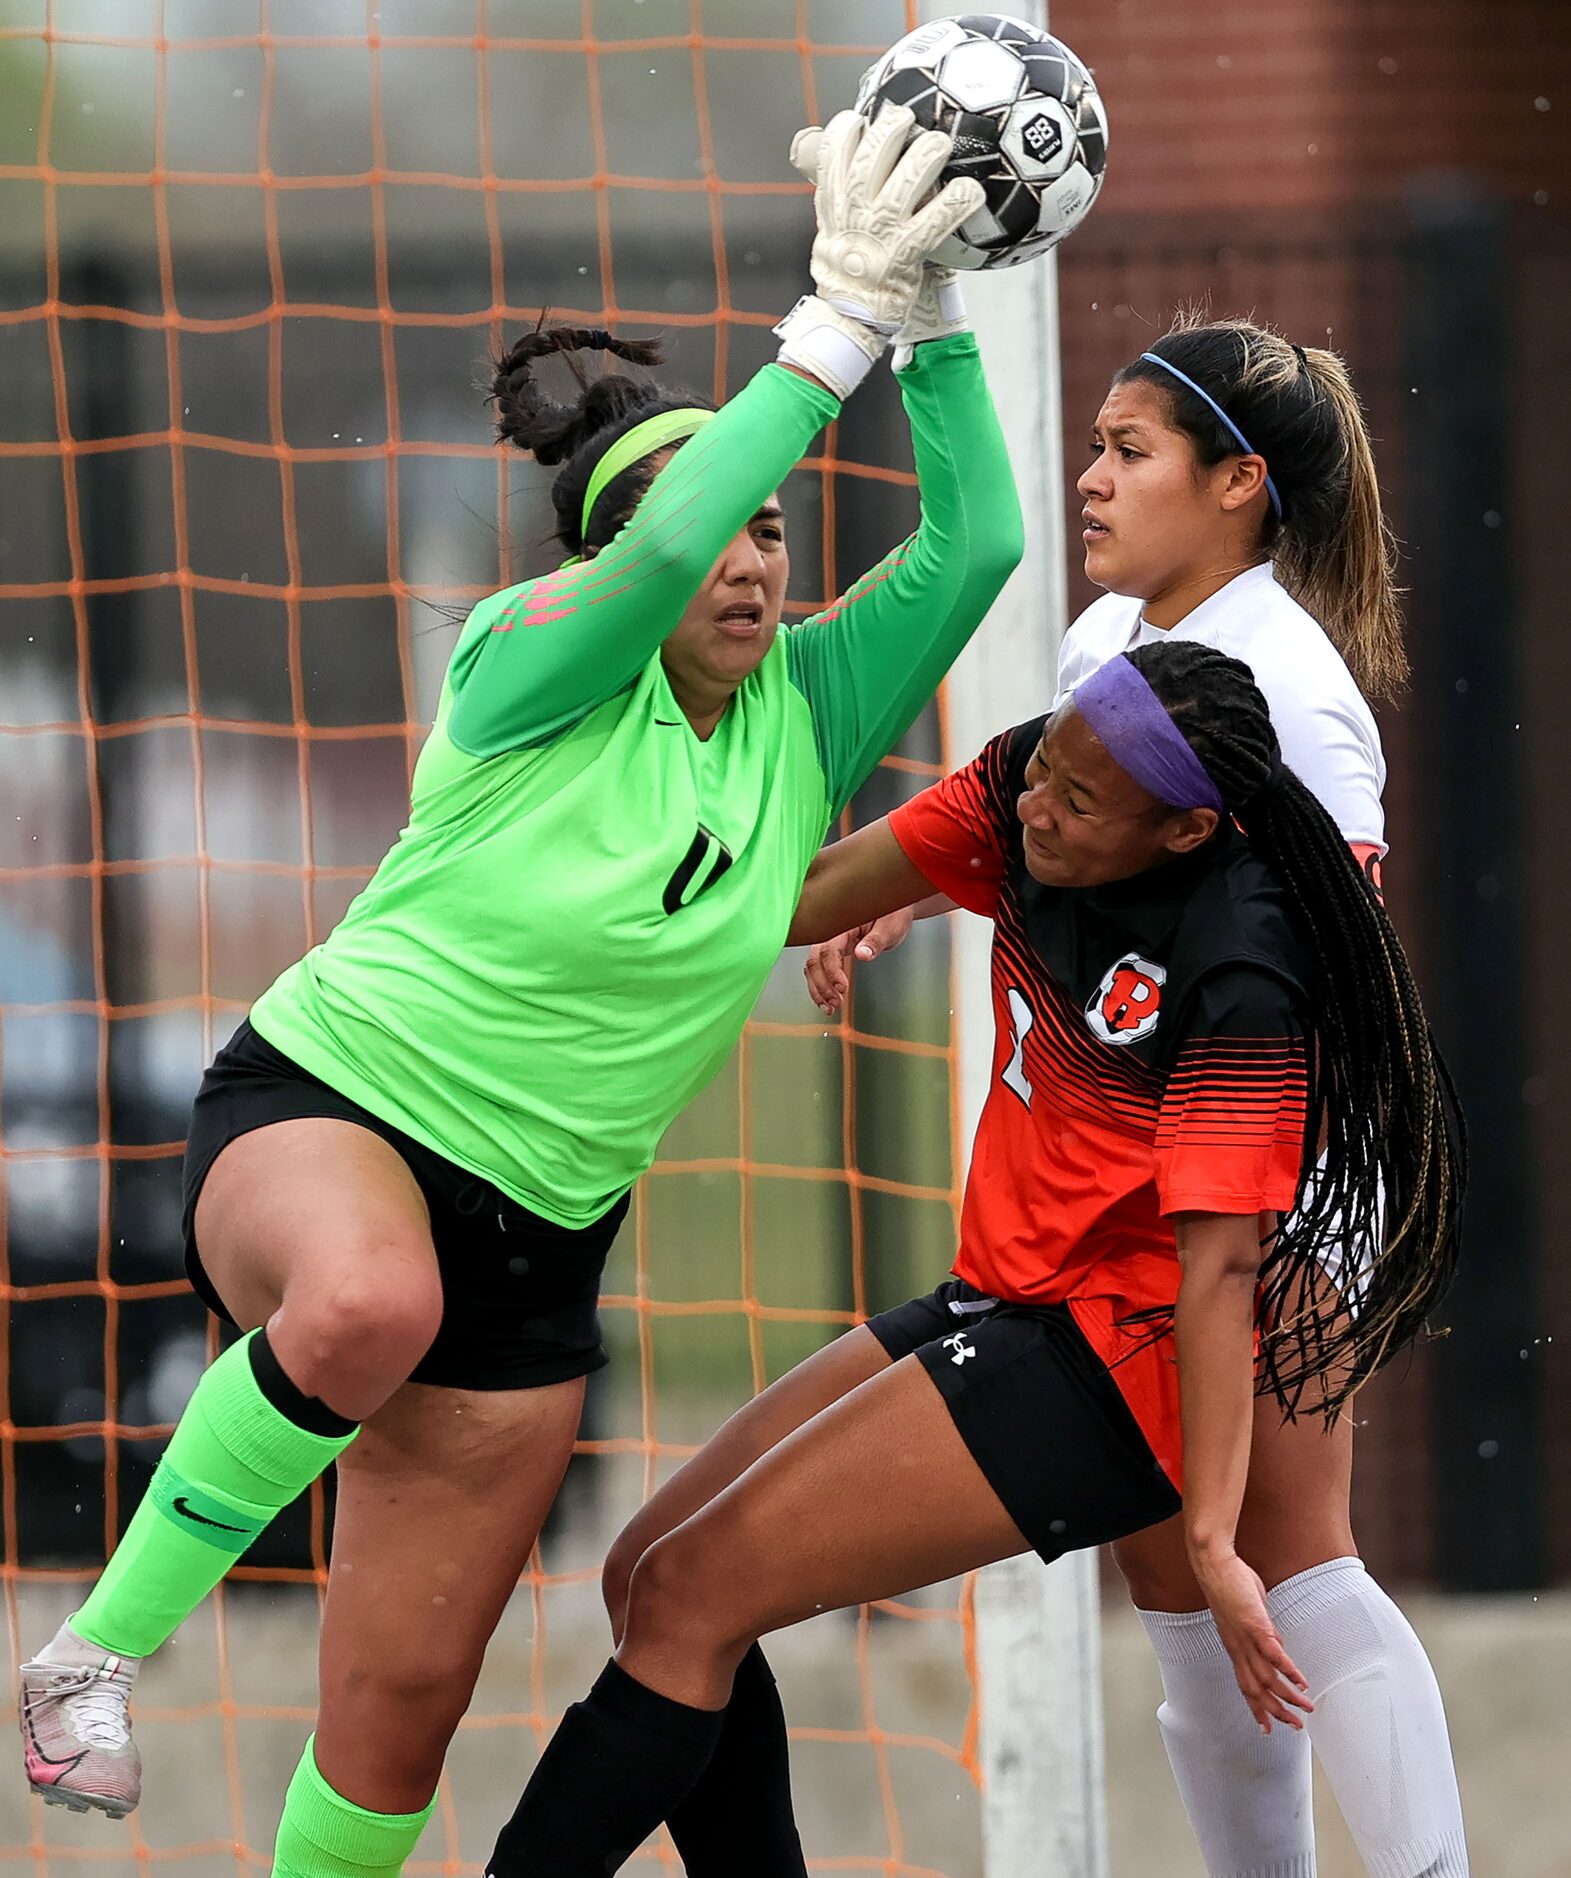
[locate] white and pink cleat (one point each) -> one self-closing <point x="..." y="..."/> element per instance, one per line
<point x="76" y="1726"/>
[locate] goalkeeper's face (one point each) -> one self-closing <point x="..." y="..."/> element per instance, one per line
<point x="730" y="623"/>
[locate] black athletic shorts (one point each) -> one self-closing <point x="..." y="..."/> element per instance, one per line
<point x="1039" y="1412"/>
<point x="519" y="1294"/>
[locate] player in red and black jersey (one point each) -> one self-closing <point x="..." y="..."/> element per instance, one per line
<point x="1150" y="1053"/>
<point x="1232" y="501"/>
<point x="1194" y="985"/>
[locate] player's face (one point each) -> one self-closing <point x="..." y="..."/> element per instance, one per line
<point x="1086" y="821"/>
<point x="730" y="623"/>
<point x="1154" y="517"/>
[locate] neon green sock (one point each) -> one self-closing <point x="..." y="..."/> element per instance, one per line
<point x="232" y="1465"/>
<point x="323" y="1835"/>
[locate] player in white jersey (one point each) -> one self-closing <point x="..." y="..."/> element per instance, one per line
<point x="1232" y="500"/>
<point x="1327" y="730"/>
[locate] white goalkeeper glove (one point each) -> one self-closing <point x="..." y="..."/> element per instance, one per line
<point x="939" y="308"/>
<point x="938" y="311"/>
<point x="873" y="240"/>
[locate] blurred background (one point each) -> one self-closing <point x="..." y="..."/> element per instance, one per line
<point x="253" y="259"/>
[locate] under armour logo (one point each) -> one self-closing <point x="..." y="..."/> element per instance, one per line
<point x="962" y="1349"/>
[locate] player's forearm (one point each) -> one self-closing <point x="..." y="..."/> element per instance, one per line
<point x="853" y="881"/>
<point x="971" y="535"/>
<point x="1214" y="1335"/>
<point x="538" y="658"/>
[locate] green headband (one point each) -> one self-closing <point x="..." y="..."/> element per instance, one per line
<point x="644" y="439"/>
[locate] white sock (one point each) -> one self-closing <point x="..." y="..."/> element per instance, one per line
<point x="1249" y="1796"/>
<point x="1379" y="1727"/>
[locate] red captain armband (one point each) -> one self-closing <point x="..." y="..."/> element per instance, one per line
<point x="1367" y="854"/>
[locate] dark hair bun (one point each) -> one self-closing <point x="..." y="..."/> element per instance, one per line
<point x="549" y="431"/>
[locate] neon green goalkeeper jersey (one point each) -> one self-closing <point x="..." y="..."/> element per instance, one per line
<point x="565" y="941"/>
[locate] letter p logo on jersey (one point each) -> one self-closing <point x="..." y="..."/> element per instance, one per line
<point x="1126" y="1005"/>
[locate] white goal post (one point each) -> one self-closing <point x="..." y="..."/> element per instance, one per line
<point x="1038" y="1636"/>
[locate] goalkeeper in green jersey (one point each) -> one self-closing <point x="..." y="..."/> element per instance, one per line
<point x="406" y="1169"/>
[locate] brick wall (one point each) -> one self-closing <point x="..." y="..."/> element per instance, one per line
<point x="1286" y="104"/>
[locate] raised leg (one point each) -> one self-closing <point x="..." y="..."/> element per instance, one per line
<point x="874" y="1495"/>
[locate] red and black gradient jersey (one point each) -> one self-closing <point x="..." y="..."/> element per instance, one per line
<point x="1150" y="1059"/>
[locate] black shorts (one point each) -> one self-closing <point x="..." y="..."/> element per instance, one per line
<point x="1039" y="1412"/>
<point x="519" y="1294"/>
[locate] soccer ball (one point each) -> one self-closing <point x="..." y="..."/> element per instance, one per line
<point x="1027" y="121"/>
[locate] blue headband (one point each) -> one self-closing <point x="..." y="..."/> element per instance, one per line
<point x="1118" y="703"/>
<point x="1232" y="429"/>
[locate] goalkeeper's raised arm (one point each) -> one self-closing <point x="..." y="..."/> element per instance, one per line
<point x="654" y="485"/>
<point x="870" y="662"/>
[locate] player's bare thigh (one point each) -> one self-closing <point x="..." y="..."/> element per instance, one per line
<point x="317" y="1228"/>
<point x="874" y="1495"/>
<point x="751" y="1432"/>
<point x="1295" y="1513"/>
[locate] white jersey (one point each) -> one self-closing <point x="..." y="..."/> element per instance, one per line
<point x="1326" y="730"/>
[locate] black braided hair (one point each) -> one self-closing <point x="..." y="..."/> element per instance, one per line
<point x="1381" y="1100"/>
<point x="578" y="434"/>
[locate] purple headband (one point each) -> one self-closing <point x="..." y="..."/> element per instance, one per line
<point x="1140" y="737"/>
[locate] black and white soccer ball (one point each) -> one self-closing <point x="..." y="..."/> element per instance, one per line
<point x="1027" y="121"/>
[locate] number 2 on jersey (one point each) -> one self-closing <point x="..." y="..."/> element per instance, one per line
<point x="1021" y="1018"/>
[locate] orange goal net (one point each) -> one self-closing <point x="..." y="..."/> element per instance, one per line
<point x="254" y="255"/>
